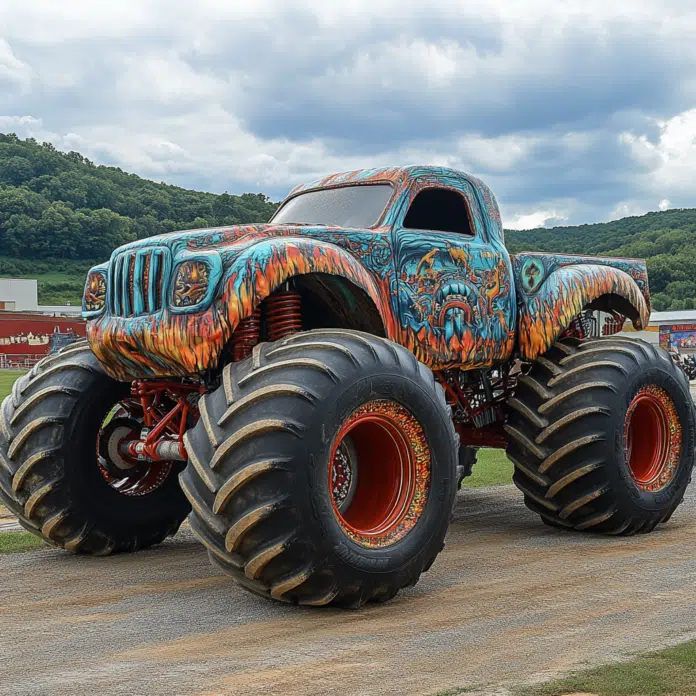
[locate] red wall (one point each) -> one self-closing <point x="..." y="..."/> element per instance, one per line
<point x="30" y="334"/>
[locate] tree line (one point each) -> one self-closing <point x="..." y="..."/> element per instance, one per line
<point x="63" y="206"/>
<point x="667" y="240"/>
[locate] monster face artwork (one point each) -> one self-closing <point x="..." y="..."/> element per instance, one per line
<point x="454" y="300"/>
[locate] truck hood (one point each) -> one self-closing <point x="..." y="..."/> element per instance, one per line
<point x="233" y="238"/>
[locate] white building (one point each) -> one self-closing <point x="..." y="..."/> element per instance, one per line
<point x="21" y="295"/>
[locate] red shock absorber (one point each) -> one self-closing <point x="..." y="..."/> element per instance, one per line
<point x="283" y="314"/>
<point x="246" y="336"/>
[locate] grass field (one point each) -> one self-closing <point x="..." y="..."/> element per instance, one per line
<point x="670" y="672"/>
<point x="59" y="281"/>
<point x="59" y="288"/>
<point x="7" y="379"/>
<point x="492" y="468"/>
<point x="16" y="542"/>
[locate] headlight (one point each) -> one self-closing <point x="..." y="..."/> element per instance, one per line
<point x="94" y="297"/>
<point x="191" y="284"/>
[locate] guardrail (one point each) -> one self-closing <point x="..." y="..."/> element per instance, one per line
<point x="14" y="361"/>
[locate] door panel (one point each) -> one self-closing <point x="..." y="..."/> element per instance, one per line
<point x="455" y="304"/>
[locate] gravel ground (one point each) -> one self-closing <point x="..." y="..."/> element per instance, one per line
<point x="508" y="600"/>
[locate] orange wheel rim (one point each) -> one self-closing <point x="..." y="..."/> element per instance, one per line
<point x="652" y="438"/>
<point x="379" y="474"/>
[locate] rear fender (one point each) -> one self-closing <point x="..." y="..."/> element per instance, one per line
<point x="545" y="314"/>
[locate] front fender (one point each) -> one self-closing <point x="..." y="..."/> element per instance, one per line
<point x="184" y="343"/>
<point x="264" y="267"/>
<point x="544" y="315"/>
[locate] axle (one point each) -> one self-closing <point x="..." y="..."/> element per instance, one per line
<point x="161" y="450"/>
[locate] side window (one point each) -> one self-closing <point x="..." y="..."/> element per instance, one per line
<point x="440" y="210"/>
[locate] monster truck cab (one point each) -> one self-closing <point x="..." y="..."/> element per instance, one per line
<point x="416" y="254"/>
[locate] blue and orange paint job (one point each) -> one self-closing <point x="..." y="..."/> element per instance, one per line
<point x="454" y="300"/>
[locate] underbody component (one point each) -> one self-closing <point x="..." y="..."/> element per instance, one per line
<point x="169" y="409"/>
<point x="478" y="401"/>
<point x="283" y="314"/>
<point x="246" y="336"/>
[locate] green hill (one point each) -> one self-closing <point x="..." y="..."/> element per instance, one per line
<point x="61" y="213"/>
<point x="667" y="240"/>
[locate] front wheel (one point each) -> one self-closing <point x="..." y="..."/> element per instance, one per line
<point x="323" y="469"/>
<point x="61" y="472"/>
<point x="602" y="436"/>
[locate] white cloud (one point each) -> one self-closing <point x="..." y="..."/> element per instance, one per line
<point x="572" y="111"/>
<point x="627" y="209"/>
<point x="14" y="73"/>
<point x="670" y="159"/>
<point x="664" y="204"/>
<point x="539" y="218"/>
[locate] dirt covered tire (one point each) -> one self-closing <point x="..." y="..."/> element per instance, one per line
<point x="49" y="477"/>
<point x="602" y="436"/>
<point x="267" y="475"/>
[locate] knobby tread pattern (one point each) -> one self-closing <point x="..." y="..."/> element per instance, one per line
<point x="563" y="442"/>
<point x="245" y="485"/>
<point x="35" y="449"/>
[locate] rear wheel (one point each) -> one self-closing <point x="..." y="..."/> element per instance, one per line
<point x="602" y="436"/>
<point x="323" y="469"/>
<point x="61" y="471"/>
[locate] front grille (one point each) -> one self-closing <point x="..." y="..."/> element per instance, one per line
<point x="137" y="281"/>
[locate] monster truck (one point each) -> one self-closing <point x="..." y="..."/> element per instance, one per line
<point x="309" y="391"/>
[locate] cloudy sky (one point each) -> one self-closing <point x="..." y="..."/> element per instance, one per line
<point x="573" y="111"/>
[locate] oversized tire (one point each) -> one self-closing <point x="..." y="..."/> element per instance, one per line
<point x="602" y="436"/>
<point x="50" y="476"/>
<point x="323" y="469"/>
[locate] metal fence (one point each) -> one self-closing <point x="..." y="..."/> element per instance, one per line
<point x="14" y="361"/>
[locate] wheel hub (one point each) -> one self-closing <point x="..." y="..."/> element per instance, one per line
<point x="124" y="473"/>
<point x="344" y="475"/>
<point x="112" y="436"/>
<point x="379" y="473"/>
<point x="652" y="438"/>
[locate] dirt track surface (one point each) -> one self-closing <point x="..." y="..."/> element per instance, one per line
<point x="508" y="600"/>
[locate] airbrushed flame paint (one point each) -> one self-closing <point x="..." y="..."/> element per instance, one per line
<point x="453" y="300"/>
<point x="554" y="288"/>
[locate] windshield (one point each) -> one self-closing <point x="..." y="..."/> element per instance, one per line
<point x="346" y="206"/>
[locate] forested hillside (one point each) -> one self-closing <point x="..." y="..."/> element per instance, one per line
<point x="61" y="205"/>
<point x="667" y="240"/>
<point x="60" y="213"/>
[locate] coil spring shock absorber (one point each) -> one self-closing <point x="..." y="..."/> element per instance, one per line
<point x="576" y="329"/>
<point x="283" y="314"/>
<point x="246" y="336"/>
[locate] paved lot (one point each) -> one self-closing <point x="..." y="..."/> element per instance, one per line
<point x="508" y="599"/>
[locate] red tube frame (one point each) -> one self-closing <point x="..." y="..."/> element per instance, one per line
<point x="167" y="426"/>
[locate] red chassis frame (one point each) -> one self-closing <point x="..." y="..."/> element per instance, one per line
<point x="164" y="440"/>
<point x="166" y="425"/>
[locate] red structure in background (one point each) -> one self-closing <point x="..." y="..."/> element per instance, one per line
<point x="25" y="337"/>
